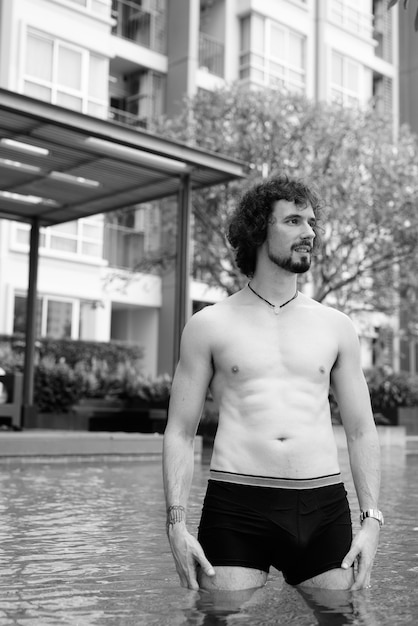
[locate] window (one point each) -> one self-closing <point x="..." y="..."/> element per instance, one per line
<point x="19" y="318"/>
<point x="100" y="7"/>
<point x="272" y="54"/>
<point x="53" y="317"/>
<point x="63" y="74"/>
<point x="83" y="237"/>
<point x="350" y="14"/>
<point x="345" y="80"/>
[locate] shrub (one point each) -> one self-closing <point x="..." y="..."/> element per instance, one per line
<point x="388" y="390"/>
<point x="57" y="387"/>
<point x="391" y="389"/>
<point x="99" y="381"/>
<point x="146" y="388"/>
<point x="10" y="360"/>
<point x="73" y="351"/>
<point x="89" y="352"/>
<point x="100" y="369"/>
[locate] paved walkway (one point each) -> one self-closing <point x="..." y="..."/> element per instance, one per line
<point x="67" y="444"/>
<point x="38" y="444"/>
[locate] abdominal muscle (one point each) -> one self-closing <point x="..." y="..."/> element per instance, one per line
<point x="261" y="435"/>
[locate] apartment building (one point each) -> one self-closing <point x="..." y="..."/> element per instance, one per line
<point x="130" y="60"/>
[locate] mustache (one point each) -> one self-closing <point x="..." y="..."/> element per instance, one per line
<point x="304" y="244"/>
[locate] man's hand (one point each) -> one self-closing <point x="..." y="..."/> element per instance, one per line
<point x="187" y="553"/>
<point x="363" y="548"/>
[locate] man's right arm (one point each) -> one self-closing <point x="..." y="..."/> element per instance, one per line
<point x="188" y="393"/>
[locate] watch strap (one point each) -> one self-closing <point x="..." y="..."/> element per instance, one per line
<point x="375" y="513"/>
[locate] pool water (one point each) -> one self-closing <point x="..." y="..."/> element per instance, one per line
<point x="84" y="544"/>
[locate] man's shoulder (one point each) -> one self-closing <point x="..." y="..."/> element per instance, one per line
<point x="336" y="319"/>
<point x="326" y="309"/>
<point x="205" y="316"/>
<point x="213" y="316"/>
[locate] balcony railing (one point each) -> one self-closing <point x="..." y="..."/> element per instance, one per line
<point x="125" y="118"/>
<point x="144" y="27"/>
<point x="211" y="54"/>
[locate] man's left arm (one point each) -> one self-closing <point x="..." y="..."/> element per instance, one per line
<point x="352" y="394"/>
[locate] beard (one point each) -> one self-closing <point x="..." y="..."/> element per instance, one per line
<point x="291" y="265"/>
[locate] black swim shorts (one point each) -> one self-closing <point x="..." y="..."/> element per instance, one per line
<point x="300" y="527"/>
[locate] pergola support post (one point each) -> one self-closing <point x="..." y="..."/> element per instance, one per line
<point x="28" y="408"/>
<point x="182" y="295"/>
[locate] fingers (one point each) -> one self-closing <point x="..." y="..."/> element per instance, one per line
<point x="204" y="563"/>
<point x="362" y="575"/>
<point x="362" y="579"/>
<point x="364" y="567"/>
<point x="349" y="558"/>
<point x="188" y="571"/>
<point x="199" y="559"/>
<point x="188" y="578"/>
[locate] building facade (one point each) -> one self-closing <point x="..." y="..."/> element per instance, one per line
<point x="131" y="60"/>
<point x="408" y="114"/>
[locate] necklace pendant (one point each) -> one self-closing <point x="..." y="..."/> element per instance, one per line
<point x="276" y="310"/>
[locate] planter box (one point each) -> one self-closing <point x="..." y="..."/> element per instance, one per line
<point x="57" y="421"/>
<point x="103" y="415"/>
<point x="408" y="417"/>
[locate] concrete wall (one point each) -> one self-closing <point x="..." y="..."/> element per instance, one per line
<point x="408" y="67"/>
<point x="182" y="51"/>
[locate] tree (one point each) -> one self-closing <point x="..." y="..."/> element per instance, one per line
<point x="368" y="182"/>
<point x="391" y="3"/>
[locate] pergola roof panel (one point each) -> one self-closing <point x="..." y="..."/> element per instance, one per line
<point x="103" y="166"/>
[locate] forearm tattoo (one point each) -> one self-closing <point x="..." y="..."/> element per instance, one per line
<point x="175" y="513"/>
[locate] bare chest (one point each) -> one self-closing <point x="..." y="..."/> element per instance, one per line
<point x="287" y="347"/>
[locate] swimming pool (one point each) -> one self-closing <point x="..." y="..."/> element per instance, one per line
<point x="84" y="544"/>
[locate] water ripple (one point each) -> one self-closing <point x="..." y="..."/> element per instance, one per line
<point x="85" y="545"/>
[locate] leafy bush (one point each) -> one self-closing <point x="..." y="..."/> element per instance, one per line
<point x="388" y="390"/>
<point x="10" y="360"/>
<point x="57" y="387"/>
<point x="99" y="369"/>
<point x="99" y="380"/>
<point x="89" y="352"/>
<point x="150" y="390"/>
<point x="73" y="351"/>
<point x="391" y="389"/>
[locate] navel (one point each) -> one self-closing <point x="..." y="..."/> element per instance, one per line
<point x="235" y="369"/>
<point x="322" y="369"/>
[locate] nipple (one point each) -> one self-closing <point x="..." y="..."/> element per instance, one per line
<point x="322" y="369"/>
<point x="234" y="369"/>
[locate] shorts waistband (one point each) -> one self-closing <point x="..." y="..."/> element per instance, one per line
<point x="272" y="481"/>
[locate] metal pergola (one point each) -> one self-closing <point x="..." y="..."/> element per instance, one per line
<point x="58" y="165"/>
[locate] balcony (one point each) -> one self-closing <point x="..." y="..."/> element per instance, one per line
<point x="211" y="55"/>
<point x="126" y="118"/>
<point x="123" y="246"/>
<point x="145" y="27"/>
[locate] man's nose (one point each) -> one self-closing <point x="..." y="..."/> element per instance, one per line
<point x="309" y="232"/>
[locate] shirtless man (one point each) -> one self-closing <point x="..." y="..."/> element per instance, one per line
<point x="269" y="355"/>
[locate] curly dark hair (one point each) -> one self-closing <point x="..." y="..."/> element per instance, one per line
<point x="247" y="228"/>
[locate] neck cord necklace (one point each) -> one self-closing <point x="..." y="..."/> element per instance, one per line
<point x="276" y="308"/>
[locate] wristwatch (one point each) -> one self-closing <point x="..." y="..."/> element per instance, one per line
<point x="375" y="513"/>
